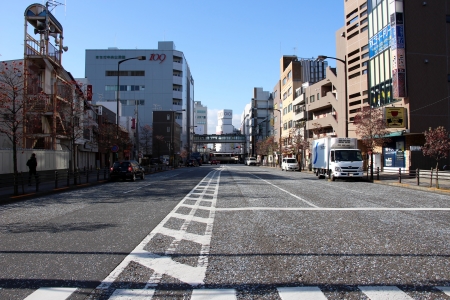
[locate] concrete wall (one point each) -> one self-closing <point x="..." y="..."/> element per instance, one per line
<point x="46" y="159"/>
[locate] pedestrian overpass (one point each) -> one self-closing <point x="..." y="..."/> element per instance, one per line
<point x="218" y="138"/>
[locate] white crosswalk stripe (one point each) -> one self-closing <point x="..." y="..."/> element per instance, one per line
<point x="301" y="293"/>
<point x="444" y="289"/>
<point x="384" y="293"/>
<point x="285" y="293"/>
<point x="213" y="294"/>
<point x="137" y="294"/>
<point x="51" y="293"/>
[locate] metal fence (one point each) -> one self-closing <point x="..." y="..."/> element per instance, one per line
<point x="49" y="180"/>
<point x="419" y="177"/>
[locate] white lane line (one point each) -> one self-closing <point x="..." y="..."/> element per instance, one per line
<point x="289" y="193"/>
<point x="384" y="293"/>
<point x="137" y="294"/>
<point x="444" y="289"/>
<point x="214" y="294"/>
<point x="335" y="208"/>
<point x="164" y="264"/>
<point x="51" y="293"/>
<point x="301" y="293"/>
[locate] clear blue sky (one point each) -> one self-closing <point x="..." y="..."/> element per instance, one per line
<point x="231" y="46"/>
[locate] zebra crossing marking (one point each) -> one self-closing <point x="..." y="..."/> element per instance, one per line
<point x="53" y="293"/>
<point x="384" y="293"/>
<point x="213" y="294"/>
<point x="301" y="293"/>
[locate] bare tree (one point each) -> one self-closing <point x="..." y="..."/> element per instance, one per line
<point x="371" y="128"/>
<point x="145" y="138"/>
<point x="299" y="144"/>
<point x="75" y="120"/>
<point x="437" y="146"/>
<point x="14" y="100"/>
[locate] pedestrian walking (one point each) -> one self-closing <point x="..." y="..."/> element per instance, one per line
<point x="32" y="165"/>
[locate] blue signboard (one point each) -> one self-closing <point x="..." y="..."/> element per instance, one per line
<point x="380" y="41"/>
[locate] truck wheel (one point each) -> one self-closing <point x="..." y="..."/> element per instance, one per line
<point x="317" y="172"/>
<point x="332" y="177"/>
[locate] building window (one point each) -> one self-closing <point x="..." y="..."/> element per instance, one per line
<point x="290" y="107"/>
<point x="168" y="128"/>
<point x="290" y="91"/>
<point x="311" y="99"/>
<point x="125" y="88"/>
<point x="284" y="80"/>
<point x="289" y="75"/>
<point x="125" y="73"/>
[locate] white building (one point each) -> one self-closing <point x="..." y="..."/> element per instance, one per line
<point x="163" y="81"/>
<point x="225" y="126"/>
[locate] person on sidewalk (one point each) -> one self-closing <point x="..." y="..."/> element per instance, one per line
<point x="32" y="165"/>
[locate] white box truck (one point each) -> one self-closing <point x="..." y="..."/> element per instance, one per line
<point x="337" y="158"/>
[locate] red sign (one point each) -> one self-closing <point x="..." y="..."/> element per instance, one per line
<point x="156" y="57"/>
<point x="89" y="92"/>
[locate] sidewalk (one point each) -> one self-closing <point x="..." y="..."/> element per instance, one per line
<point x="50" y="185"/>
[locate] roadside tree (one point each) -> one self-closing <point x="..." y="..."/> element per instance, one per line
<point x="14" y="100"/>
<point x="371" y="128"/>
<point x="437" y="146"/>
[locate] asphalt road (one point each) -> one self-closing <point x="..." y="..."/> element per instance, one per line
<point x="227" y="232"/>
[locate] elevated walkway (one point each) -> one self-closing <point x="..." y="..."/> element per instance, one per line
<point x="218" y="138"/>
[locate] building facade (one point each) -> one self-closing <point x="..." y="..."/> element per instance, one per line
<point x="408" y="74"/>
<point x="161" y="82"/>
<point x="225" y="126"/>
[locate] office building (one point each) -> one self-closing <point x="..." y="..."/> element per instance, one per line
<point x="161" y="82"/>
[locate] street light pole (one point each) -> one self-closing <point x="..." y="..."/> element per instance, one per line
<point x="344" y="61"/>
<point x="279" y="138"/>
<point x="118" y="87"/>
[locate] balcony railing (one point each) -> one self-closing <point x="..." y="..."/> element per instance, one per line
<point x="35" y="47"/>
<point x="39" y="103"/>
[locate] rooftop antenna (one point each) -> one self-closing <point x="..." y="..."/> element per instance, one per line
<point x="53" y="3"/>
<point x="295" y="51"/>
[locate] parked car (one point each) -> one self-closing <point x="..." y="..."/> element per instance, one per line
<point x="192" y="163"/>
<point x="289" y="164"/>
<point x="127" y="169"/>
<point x="251" y="161"/>
<point x="214" y="162"/>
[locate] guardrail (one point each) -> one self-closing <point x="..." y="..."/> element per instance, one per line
<point x="420" y="176"/>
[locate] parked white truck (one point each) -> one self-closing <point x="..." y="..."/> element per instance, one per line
<point x="337" y="158"/>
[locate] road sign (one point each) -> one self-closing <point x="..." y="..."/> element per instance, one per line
<point x="115" y="148"/>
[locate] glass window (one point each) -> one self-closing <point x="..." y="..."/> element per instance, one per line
<point x="318" y="97"/>
<point x="385" y="13"/>
<point x="387" y="65"/>
<point x="372" y="73"/>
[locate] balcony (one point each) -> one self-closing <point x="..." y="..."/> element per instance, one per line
<point x="36" y="48"/>
<point x="39" y="103"/>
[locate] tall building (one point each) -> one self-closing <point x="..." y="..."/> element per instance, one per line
<point x="409" y="74"/>
<point x="225" y="126"/>
<point x="200" y="118"/>
<point x="261" y="110"/>
<point x="161" y="82"/>
<point x="294" y="72"/>
<point x="352" y="46"/>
